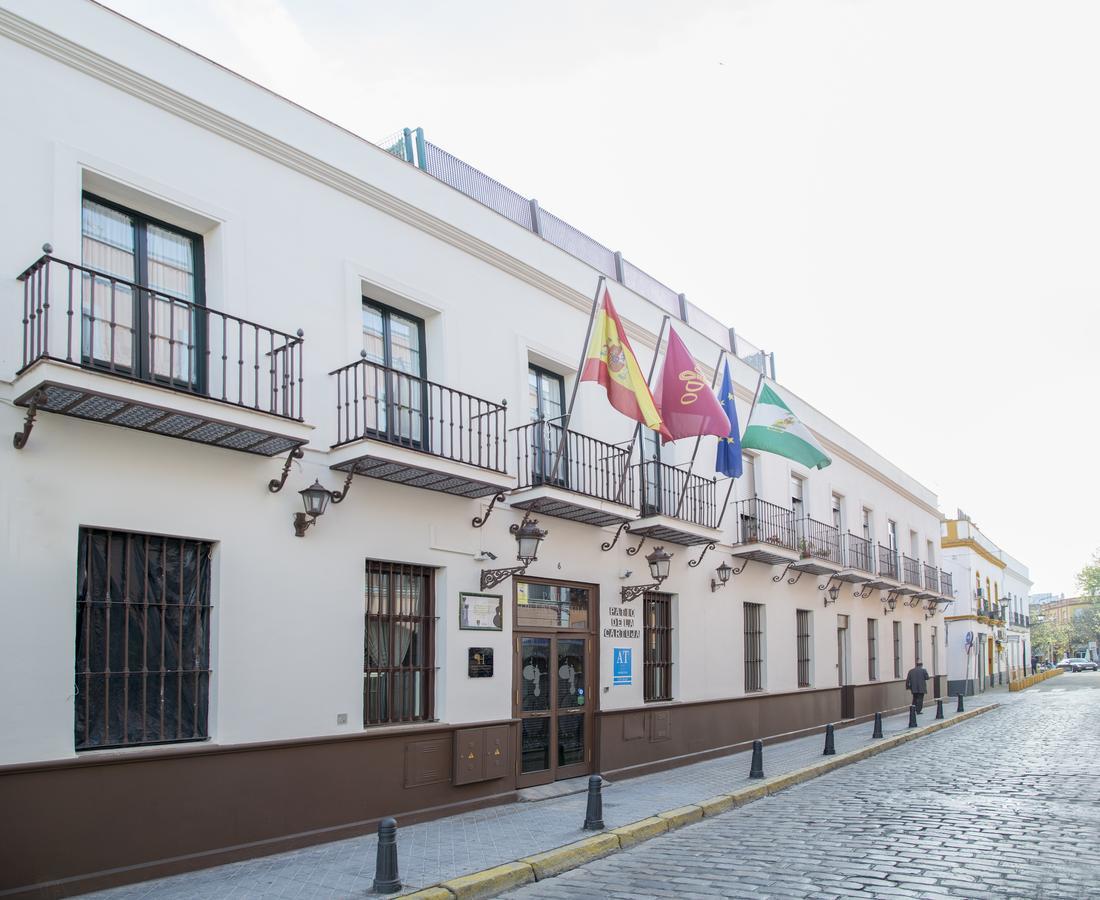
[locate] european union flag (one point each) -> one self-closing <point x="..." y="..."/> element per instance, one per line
<point x="728" y="461"/>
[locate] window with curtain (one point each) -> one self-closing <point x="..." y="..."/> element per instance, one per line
<point x="142" y="639"/>
<point x="153" y="333"/>
<point x="657" y="658"/>
<point x="394" y="389"/>
<point x="802" y="624"/>
<point x="546" y="403"/>
<point x="398" y="646"/>
<point x="754" y="647"/>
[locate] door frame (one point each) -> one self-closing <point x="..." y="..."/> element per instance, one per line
<point x="592" y="682"/>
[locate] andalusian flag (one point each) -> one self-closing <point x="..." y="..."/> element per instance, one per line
<point x="611" y="362"/>
<point x="773" y="428"/>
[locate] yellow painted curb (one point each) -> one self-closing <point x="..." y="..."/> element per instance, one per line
<point x="747" y="795"/>
<point x="490" y="882"/>
<point x="430" y="893"/>
<point x="681" y="816"/>
<point x="1021" y="684"/>
<point x="560" y="859"/>
<point x="716" y="805"/>
<point x="636" y="832"/>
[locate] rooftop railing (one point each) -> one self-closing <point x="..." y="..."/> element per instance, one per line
<point x="669" y="491"/>
<point x="384" y="404"/>
<point x="88" y="318"/>
<point x="584" y="465"/>
<point x="766" y="523"/>
<point x="411" y="146"/>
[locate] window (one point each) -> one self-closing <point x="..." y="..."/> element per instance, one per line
<point x="798" y="496"/>
<point x="918" y="656"/>
<point x="142" y="639"/>
<point x="754" y="647"/>
<point x="892" y="531"/>
<point x="657" y="659"/>
<point x="897" y="649"/>
<point x="935" y="653"/>
<point x="393" y="393"/>
<point x="747" y="487"/>
<point x="150" y="335"/>
<point x="398" y="644"/>
<point x="651" y="455"/>
<point x="868" y="529"/>
<point x="838" y="513"/>
<point x="546" y="405"/>
<point x="804" y="643"/>
<point x="872" y="649"/>
<point x="930" y="549"/>
<point x="914" y="545"/>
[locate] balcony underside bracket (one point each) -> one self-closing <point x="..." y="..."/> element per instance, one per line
<point x="863" y="592"/>
<point x="20" y="438"/>
<point x="478" y="521"/>
<point x="633" y="551"/>
<point x="276" y="484"/>
<point x="694" y="562"/>
<point x="830" y="585"/>
<point x="783" y="574"/>
<point x="607" y="545"/>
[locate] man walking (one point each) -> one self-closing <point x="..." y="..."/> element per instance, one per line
<point x="916" y="682"/>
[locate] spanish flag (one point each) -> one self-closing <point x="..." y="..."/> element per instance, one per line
<point x="610" y="361"/>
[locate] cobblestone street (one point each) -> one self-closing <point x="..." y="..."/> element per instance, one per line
<point x="1007" y="805"/>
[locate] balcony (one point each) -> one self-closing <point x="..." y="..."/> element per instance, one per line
<point x="677" y="507"/>
<point x="886" y="570"/>
<point x="858" y="560"/>
<point x="930" y="582"/>
<point x="572" y="476"/>
<point x="765" y="533"/>
<point x="104" y="349"/>
<point x="910" y="575"/>
<point x="404" y="429"/>
<point x="818" y="547"/>
<point x="947" y="589"/>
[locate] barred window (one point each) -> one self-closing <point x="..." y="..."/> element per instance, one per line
<point x="872" y="649"/>
<point x="897" y="649"/>
<point x="142" y="639"/>
<point x="917" y="655"/>
<point x="935" y="653"/>
<point x="398" y="644"/>
<point x="803" y="626"/>
<point x="754" y="647"/>
<point x="657" y="658"/>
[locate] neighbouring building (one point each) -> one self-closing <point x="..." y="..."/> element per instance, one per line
<point x="988" y="628"/>
<point x="1063" y="610"/>
<point x="241" y="300"/>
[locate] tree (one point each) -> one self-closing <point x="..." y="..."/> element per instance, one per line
<point x="1088" y="579"/>
<point x="1048" y="638"/>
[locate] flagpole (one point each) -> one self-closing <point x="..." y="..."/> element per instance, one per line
<point x="577" y="379"/>
<point x="698" y="439"/>
<point x="729" y="490"/>
<point x="638" y="428"/>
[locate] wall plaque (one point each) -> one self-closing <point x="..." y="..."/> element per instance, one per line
<point x="481" y="662"/>
<point x="480" y="612"/>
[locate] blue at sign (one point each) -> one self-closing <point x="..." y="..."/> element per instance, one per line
<point x="622" y="669"/>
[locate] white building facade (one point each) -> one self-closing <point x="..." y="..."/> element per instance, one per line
<point x="989" y="626"/>
<point x="239" y="300"/>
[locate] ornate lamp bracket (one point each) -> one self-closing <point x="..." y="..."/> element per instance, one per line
<point x="833" y="587"/>
<point x="19" y="439"/>
<point x="492" y="577"/>
<point x="694" y="562"/>
<point x="631" y="592"/>
<point x="478" y="521"/>
<point x="276" y="484"/>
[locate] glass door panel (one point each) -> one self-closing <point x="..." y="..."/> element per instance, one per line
<point x="535" y="696"/>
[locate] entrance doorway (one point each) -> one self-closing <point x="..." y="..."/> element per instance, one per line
<point x="555" y="696"/>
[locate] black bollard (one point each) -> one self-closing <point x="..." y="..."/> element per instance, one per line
<point x="877" y="733"/>
<point x="756" y="770"/>
<point x="593" y="815"/>
<point x="830" y="745"/>
<point x="386" y="879"/>
<point x="912" y="717"/>
<point x="960" y="706"/>
<point x="939" y="709"/>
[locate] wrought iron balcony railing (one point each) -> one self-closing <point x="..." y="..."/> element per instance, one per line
<point x="765" y="523"/>
<point x="84" y="317"/>
<point x="946" y="587"/>
<point x="910" y="570"/>
<point x="384" y="404"/>
<point x="583" y="465"/>
<point x="931" y="579"/>
<point x="669" y="491"/>
<point x="817" y="539"/>
<point x="887" y="563"/>
<point x="858" y="553"/>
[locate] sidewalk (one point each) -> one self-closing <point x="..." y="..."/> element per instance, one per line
<point x="431" y="852"/>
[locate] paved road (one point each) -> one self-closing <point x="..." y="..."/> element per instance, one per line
<point x="1007" y="805"/>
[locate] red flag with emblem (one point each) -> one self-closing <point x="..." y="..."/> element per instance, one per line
<point x="685" y="401"/>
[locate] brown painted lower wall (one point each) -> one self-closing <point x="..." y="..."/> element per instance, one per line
<point x="78" y="825"/>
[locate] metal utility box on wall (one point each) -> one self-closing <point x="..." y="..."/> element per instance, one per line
<point x="482" y="754"/>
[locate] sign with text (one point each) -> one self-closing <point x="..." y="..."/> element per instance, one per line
<point x="622" y="668"/>
<point x="621" y="623"/>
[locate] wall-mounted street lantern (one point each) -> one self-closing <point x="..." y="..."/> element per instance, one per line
<point x="890" y="601"/>
<point x="833" y="588"/>
<point x="315" y="499"/>
<point x="723" y="572"/>
<point x="528" y="537"/>
<point x="659" y="565"/>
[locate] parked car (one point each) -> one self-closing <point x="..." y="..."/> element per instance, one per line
<point x="1078" y="664"/>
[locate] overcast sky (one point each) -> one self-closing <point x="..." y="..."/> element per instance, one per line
<point x="900" y="199"/>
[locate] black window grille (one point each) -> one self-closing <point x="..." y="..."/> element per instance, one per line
<point x="872" y="649"/>
<point x="657" y="659"/>
<point x="142" y="639"/>
<point x="897" y="649"/>
<point x="803" y="623"/>
<point x="398" y="644"/>
<point x="754" y="647"/>
<point x="917" y="654"/>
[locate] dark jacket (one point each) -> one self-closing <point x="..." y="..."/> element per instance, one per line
<point x="917" y="680"/>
